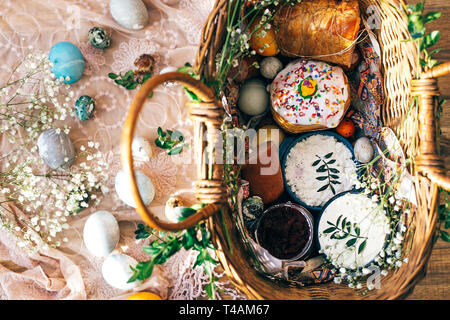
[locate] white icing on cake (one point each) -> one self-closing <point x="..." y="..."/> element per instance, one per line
<point x="310" y="93"/>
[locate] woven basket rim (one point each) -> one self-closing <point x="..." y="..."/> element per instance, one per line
<point x="236" y="264"/>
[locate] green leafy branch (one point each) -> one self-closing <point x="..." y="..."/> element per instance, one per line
<point x="167" y="244"/>
<point x="416" y="27"/>
<point x="343" y="229"/>
<point x="331" y="172"/>
<point x="170" y="140"/>
<point x="444" y="216"/>
<point x="130" y="80"/>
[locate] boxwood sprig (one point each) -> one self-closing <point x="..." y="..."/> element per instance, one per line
<point x="167" y="244"/>
<point x="130" y="80"/>
<point x="173" y="141"/>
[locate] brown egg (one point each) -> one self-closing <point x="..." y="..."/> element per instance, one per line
<point x="346" y="128"/>
<point x="264" y="176"/>
<point x="245" y="70"/>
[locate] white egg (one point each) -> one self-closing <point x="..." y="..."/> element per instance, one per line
<point x="270" y="66"/>
<point x="145" y="187"/>
<point x="141" y="149"/>
<point x="171" y="2"/>
<point x="101" y="233"/>
<point x="168" y="69"/>
<point x="131" y="14"/>
<point x="253" y="97"/>
<point x="363" y="150"/>
<point x="116" y="271"/>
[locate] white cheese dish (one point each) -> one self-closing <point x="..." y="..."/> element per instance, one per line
<point x="317" y="168"/>
<point x="361" y="233"/>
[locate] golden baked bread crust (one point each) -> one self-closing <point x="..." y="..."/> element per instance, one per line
<point x="321" y="29"/>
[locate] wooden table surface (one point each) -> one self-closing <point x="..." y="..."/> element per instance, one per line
<point x="436" y="284"/>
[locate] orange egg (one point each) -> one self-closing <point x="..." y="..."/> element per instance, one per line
<point x="346" y="128"/>
<point x="263" y="40"/>
<point x="144" y="296"/>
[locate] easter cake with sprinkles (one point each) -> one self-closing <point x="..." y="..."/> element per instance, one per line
<point x="309" y="95"/>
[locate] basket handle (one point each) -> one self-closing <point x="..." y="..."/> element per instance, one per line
<point x="206" y="116"/>
<point x="429" y="162"/>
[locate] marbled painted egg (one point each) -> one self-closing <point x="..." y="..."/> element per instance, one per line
<point x="68" y="62"/>
<point x="131" y="14"/>
<point x="363" y="150"/>
<point x="269" y="67"/>
<point x="253" y="97"/>
<point x="145" y="187"/>
<point x="56" y="149"/>
<point x="141" y="149"/>
<point x="98" y="38"/>
<point x="252" y="208"/>
<point x="116" y="271"/>
<point x="101" y="233"/>
<point x="84" y="108"/>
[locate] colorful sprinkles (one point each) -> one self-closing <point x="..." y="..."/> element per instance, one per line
<point x="310" y="92"/>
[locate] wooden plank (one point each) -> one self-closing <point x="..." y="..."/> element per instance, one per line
<point x="436" y="283"/>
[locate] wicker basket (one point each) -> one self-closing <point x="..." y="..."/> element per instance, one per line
<point x="399" y="64"/>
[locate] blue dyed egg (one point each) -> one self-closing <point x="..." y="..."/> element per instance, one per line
<point x="146" y="189"/>
<point x="56" y="149"/>
<point x="84" y="108"/>
<point x="131" y="14"/>
<point x="68" y="62"/>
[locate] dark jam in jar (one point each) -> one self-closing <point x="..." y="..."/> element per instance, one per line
<point x="284" y="232"/>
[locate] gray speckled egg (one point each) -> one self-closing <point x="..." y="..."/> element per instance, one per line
<point x="131" y="14"/>
<point x="56" y="149"/>
<point x="253" y="97"/>
<point x="145" y="187"/>
<point x="101" y="233"/>
<point x="270" y="66"/>
<point x="363" y="150"/>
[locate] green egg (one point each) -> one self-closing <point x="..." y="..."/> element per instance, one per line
<point x="84" y="108"/>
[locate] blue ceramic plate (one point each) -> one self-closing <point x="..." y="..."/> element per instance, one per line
<point x="289" y="143"/>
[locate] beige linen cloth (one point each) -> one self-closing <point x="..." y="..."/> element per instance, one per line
<point x="172" y="36"/>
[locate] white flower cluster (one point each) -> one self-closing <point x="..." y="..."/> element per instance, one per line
<point x="392" y="256"/>
<point x="49" y="199"/>
<point x="32" y="101"/>
<point x="237" y="45"/>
